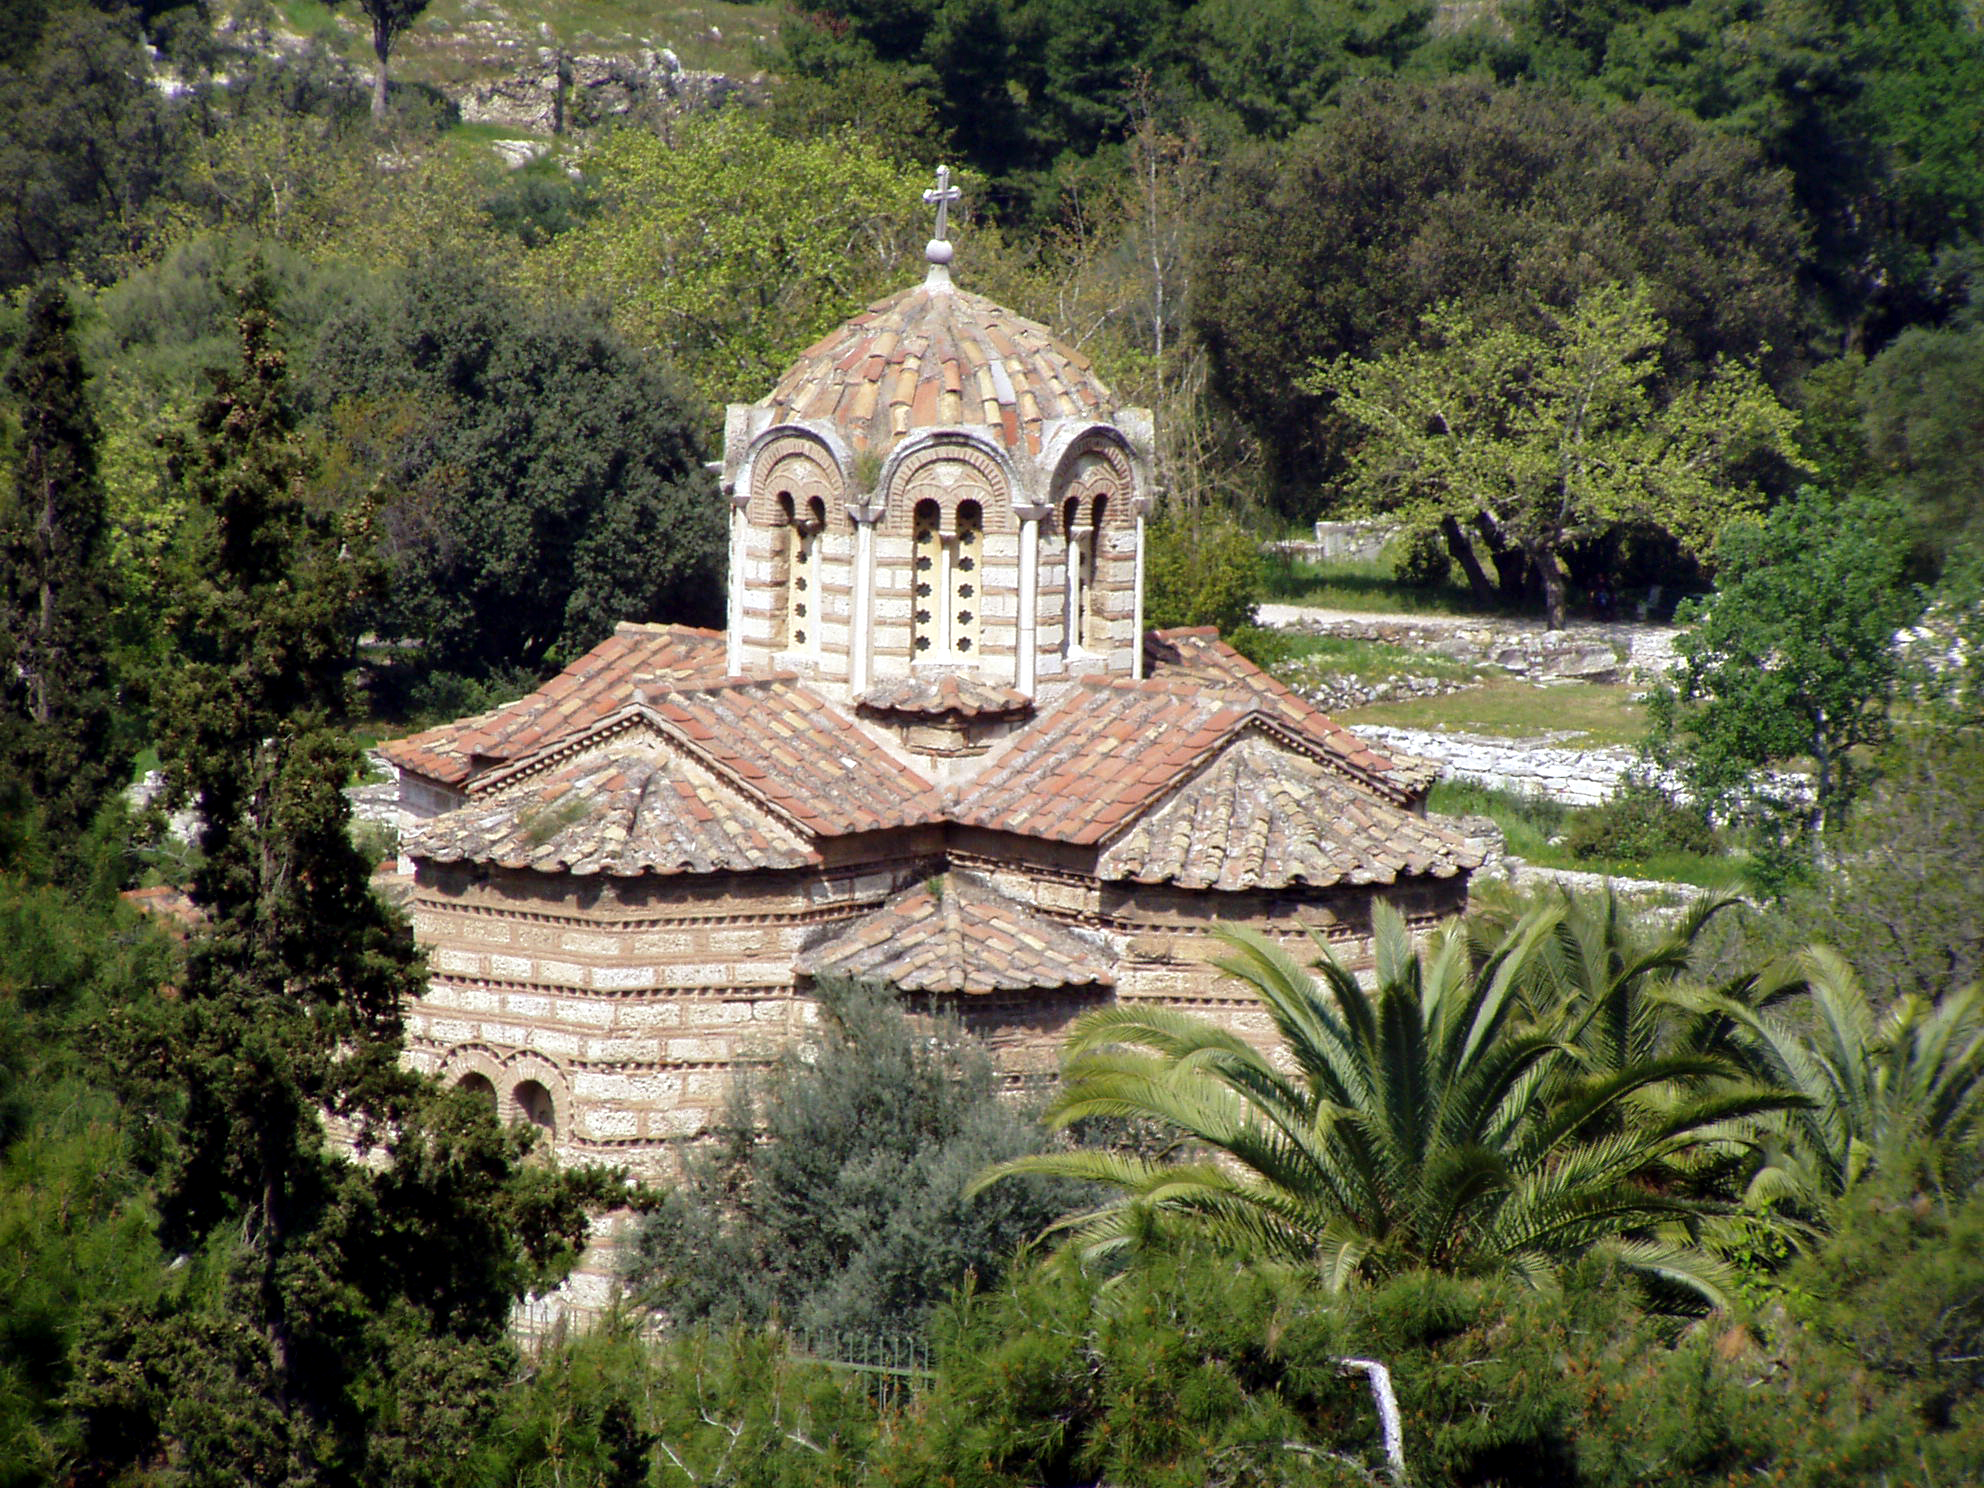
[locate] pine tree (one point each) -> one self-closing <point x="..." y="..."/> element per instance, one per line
<point x="55" y="689"/>
<point x="342" y="1318"/>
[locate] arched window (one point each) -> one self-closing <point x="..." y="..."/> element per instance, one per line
<point x="925" y="626"/>
<point x="1094" y="623"/>
<point x="966" y="577"/>
<point x="534" y="1105"/>
<point x="803" y="566"/>
<point x="784" y="541"/>
<point x="479" y="1087"/>
<point x="1075" y="602"/>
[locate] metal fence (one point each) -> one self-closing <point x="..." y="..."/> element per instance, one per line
<point x="892" y="1364"/>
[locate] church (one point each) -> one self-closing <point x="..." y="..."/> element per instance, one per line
<point x="935" y="746"/>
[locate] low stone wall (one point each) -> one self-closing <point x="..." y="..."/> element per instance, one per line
<point x="1544" y="767"/>
<point x="1548" y="767"/>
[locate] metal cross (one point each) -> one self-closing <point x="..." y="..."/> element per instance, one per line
<point x="943" y="196"/>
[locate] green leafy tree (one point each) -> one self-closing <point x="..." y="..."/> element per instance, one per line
<point x="390" y="20"/>
<point x="86" y="145"/>
<point x="1865" y="105"/>
<point x="1538" y="440"/>
<point x="732" y="249"/>
<point x="836" y="1200"/>
<point x="547" y="480"/>
<point x="1427" y="1122"/>
<point x="1923" y="402"/>
<point x="340" y="1316"/>
<point x="56" y="695"/>
<point x="1898" y="898"/>
<point x="76" y="1224"/>
<point x="1793" y="656"/>
<point x="1512" y="202"/>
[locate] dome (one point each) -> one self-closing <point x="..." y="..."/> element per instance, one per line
<point x="938" y="357"/>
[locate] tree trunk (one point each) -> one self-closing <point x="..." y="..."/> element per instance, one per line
<point x="1551" y="574"/>
<point x="1462" y="552"/>
<point x="1510" y="565"/>
<point x="382" y="44"/>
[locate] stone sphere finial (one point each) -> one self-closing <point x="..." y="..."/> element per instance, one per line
<point x="939" y="251"/>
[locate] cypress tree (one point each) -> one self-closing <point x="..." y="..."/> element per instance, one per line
<point x="342" y="1318"/>
<point x="55" y="688"/>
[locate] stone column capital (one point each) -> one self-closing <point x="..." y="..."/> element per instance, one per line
<point x="1032" y="512"/>
<point x="864" y="513"/>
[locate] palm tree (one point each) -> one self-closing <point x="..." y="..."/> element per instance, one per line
<point x="1878" y="1088"/>
<point x="1430" y="1121"/>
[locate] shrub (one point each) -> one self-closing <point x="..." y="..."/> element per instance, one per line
<point x="1638" y="823"/>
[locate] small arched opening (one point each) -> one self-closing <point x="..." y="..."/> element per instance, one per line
<point x="1094" y="622"/>
<point x="478" y="1086"/>
<point x="927" y="564"/>
<point x="966" y="561"/>
<point x="534" y="1105"/>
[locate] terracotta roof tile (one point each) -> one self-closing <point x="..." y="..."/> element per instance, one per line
<point x="592" y="688"/>
<point x="1199" y="657"/>
<point x="1061" y="779"/>
<point x="965" y="697"/>
<point x="959" y="934"/>
<point x="924" y="356"/>
<point x="1261" y="816"/>
<point x="652" y="810"/>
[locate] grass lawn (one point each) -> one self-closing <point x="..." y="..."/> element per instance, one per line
<point x="1529" y="823"/>
<point x="1366" y="587"/>
<point x="1508" y="708"/>
<point x="1365" y="660"/>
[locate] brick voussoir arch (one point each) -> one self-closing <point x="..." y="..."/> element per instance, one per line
<point x="907" y="478"/>
<point x="800" y="461"/>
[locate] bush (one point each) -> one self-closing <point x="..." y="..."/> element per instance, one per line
<point x="1638" y="823"/>
<point x="1202" y="570"/>
<point x="1420" y="559"/>
<point x="833" y="1200"/>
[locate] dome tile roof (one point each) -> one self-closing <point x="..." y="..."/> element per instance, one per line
<point x="934" y="357"/>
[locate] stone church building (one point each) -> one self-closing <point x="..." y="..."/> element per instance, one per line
<point x="935" y="746"/>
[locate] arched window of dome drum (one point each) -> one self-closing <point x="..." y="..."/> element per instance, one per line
<point x="1094" y="623"/>
<point x="1080" y="575"/>
<point x="780" y="588"/>
<point x="966" y="578"/>
<point x="534" y="1105"/>
<point x="479" y="1087"/>
<point x="927" y="574"/>
<point x="803" y="537"/>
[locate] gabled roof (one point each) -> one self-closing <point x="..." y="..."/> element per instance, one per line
<point x="591" y="689"/>
<point x="959" y="934"/>
<point x="933" y="356"/>
<point x="1197" y="655"/>
<point x="737" y="774"/>
<point x="1260" y="816"/>
<point x="1087" y="768"/>
<point x="651" y="809"/>
<point x="799" y="754"/>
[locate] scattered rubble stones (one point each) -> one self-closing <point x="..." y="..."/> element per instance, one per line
<point x="558" y="90"/>
<point x="1586" y="652"/>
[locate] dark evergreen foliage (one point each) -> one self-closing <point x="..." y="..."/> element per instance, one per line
<point x="56" y="693"/>
<point x="338" y="1320"/>
<point x="835" y="1201"/>
<point x="546" y="480"/>
<point x="1507" y="202"/>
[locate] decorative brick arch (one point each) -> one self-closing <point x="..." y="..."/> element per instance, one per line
<point x="802" y="468"/>
<point x="950" y="473"/>
<point x="1096" y="466"/>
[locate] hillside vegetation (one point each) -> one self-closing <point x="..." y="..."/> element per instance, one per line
<point x="320" y="417"/>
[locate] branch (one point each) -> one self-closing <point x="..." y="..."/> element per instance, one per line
<point x="1382" y="1397"/>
